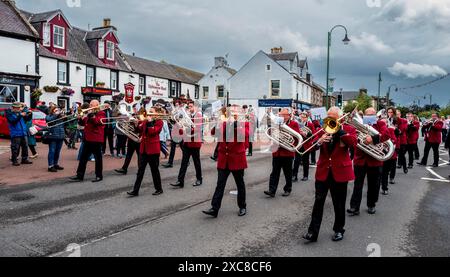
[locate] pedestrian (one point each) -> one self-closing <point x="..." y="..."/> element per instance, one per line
<point x="31" y="138"/>
<point x="16" y="117"/>
<point x="55" y="137"/>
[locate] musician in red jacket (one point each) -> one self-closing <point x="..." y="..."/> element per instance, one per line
<point x="191" y="147"/>
<point x="233" y="143"/>
<point x="390" y="166"/>
<point x="304" y="159"/>
<point x="367" y="165"/>
<point x="403" y="127"/>
<point x="413" y="138"/>
<point x="282" y="159"/>
<point x="150" y="150"/>
<point x="334" y="171"/>
<point x="433" y="139"/>
<point x="93" y="141"/>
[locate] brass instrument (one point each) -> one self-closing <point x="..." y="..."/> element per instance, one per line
<point x="69" y="118"/>
<point x="284" y="136"/>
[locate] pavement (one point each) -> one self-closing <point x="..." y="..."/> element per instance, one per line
<point x="58" y="218"/>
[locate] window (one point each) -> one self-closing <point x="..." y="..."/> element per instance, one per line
<point x="62" y="73"/>
<point x="205" y="92"/>
<point x="142" y="85"/>
<point x="46" y="35"/>
<point x="114" y="80"/>
<point x="90" y="76"/>
<point x="268" y="67"/>
<point x="58" y="37"/>
<point x="110" y="50"/>
<point x="197" y="92"/>
<point x="275" y="88"/>
<point x="101" y="49"/>
<point x="220" y="92"/>
<point x="9" y="94"/>
<point x="175" y="88"/>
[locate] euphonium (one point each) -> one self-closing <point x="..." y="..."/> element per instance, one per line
<point x="284" y="136"/>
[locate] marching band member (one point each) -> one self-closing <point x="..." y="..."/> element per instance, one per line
<point x="334" y="171"/>
<point x="233" y="142"/>
<point x="93" y="141"/>
<point x="304" y="118"/>
<point x="367" y="165"/>
<point x="191" y="148"/>
<point x="403" y="127"/>
<point x="390" y="166"/>
<point x="413" y="138"/>
<point x="132" y="147"/>
<point x="433" y="139"/>
<point x="149" y="152"/>
<point x="282" y="159"/>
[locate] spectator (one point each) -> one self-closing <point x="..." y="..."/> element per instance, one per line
<point x="31" y="139"/>
<point x="41" y="106"/>
<point x="16" y="117"/>
<point x="56" y="139"/>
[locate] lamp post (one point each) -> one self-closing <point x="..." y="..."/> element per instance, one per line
<point x="431" y="99"/>
<point x="346" y="41"/>
<point x="389" y="94"/>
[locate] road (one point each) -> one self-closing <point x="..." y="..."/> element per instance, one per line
<point x="43" y="219"/>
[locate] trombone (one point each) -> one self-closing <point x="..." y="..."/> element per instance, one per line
<point x="69" y="118"/>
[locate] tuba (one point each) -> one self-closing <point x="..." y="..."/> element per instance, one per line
<point x="284" y="136"/>
<point x="382" y="151"/>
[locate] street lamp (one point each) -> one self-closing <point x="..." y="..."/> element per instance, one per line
<point x="389" y="94"/>
<point x="346" y="41"/>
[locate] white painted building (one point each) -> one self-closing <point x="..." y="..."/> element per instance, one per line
<point x="18" y="56"/>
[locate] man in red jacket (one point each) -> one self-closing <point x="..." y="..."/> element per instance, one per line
<point x="366" y="165"/>
<point x="433" y="139"/>
<point x="150" y="150"/>
<point x="93" y="141"/>
<point x="191" y="148"/>
<point x="334" y="171"/>
<point x="233" y="142"/>
<point x="299" y="159"/>
<point x="389" y="167"/>
<point x="403" y="127"/>
<point x="282" y="159"/>
<point x="413" y="138"/>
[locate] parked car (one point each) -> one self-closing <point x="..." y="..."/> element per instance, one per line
<point x="38" y="121"/>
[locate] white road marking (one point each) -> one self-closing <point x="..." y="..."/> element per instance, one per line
<point x="436" y="180"/>
<point x="435" y="174"/>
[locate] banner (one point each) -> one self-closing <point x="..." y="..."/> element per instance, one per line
<point x="319" y="113"/>
<point x="129" y="93"/>
<point x="275" y="103"/>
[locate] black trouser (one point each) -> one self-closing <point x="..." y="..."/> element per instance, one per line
<point x="304" y="160"/>
<point x="393" y="171"/>
<point x="153" y="161"/>
<point x="426" y="152"/>
<point x="279" y="163"/>
<point x="216" y="152"/>
<point x="389" y="169"/>
<point x="121" y="144"/>
<point x="132" y="147"/>
<point x="187" y="153"/>
<point x="416" y="152"/>
<point x="339" y="197"/>
<point x="313" y="157"/>
<point x="411" y="154"/>
<point x="373" y="190"/>
<point x="91" y="148"/>
<point x="250" y="148"/>
<point x="71" y="134"/>
<point x="444" y="134"/>
<point x="32" y="149"/>
<point x="222" y="178"/>
<point x="173" y="148"/>
<point x="17" y="144"/>
<point x="402" y="156"/>
<point x="108" y="137"/>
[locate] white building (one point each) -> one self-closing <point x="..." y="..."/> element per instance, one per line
<point x="214" y="85"/>
<point x="272" y="76"/>
<point x="18" y="55"/>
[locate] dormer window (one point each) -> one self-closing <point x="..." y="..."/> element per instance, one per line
<point x="46" y="35"/>
<point x="110" y="50"/>
<point x="58" y="37"/>
<point x="101" y="49"/>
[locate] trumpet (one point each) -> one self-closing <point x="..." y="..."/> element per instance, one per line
<point x="284" y="136"/>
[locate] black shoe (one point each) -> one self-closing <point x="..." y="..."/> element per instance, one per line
<point x="242" y="212"/>
<point x="405" y="171"/>
<point x="268" y="193"/>
<point x="338" y="236"/>
<point x="178" y="185"/>
<point x="121" y="171"/>
<point x="158" y="192"/>
<point x="76" y="179"/>
<point x="421" y="164"/>
<point x="305" y="179"/>
<point x="16" y="164"/>
<point x="97" y="180"/>
<point x="435" y="165"/>
<point x="295" y="179"/>
<point x="211" y="212"/>
<point x="52" y="169"/>
<point x="168" y="165"/>
<point x="27" y="162"/>
<point x="410" y="167"/>
<point x="372" y="210"/>
<point x="353" y="212"/>
<point x="57" y="167"/>
<point x="310" y="237"/>
<point x="399" y="166"/>
<point x="198" y="183"/>
<point x="286" y="194"/>
<point x="385" y="192"/>
<point x="392" y="182"/>
<point x="249" y="155"/>
<point x="133" y="194"/>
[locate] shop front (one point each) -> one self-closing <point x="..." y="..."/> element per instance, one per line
<point x="90" y="94"/>
<point x="17" y="88"/>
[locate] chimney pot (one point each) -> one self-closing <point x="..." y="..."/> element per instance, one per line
<point x="277" y="50"/>
<point x="107" y="22"/>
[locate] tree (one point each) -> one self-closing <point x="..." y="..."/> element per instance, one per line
<point x="363" y="102"/>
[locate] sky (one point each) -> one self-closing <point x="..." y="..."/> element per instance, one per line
<point x="406" y="40"/>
